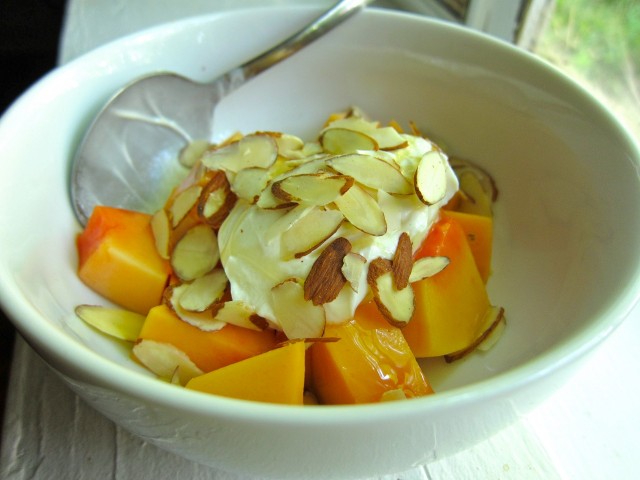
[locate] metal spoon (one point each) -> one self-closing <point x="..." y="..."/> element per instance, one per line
<point x="129" y="156"/>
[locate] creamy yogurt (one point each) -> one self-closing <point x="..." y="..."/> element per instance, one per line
<point x="250" y="245"/>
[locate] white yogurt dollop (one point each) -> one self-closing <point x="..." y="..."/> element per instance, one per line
<point x="250" y="248"/>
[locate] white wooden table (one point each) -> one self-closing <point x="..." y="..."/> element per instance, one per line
<point x="587" y="430"/>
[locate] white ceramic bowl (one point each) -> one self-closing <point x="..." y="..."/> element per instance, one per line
<point x="567" y="229"/>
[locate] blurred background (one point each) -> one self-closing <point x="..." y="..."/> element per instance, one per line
<point x="597" y="42"/>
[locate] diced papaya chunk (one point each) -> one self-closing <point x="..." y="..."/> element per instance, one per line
<point x="479" y="231"/>
<point x="276" y="376"/>
<point x="450" y="305"/>
<point x="370" y="358"/>
<point x="209" y="350"/>
<point x="118" y="259"/>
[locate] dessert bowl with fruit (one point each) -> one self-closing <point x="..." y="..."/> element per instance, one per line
<point x="392" y="245"/>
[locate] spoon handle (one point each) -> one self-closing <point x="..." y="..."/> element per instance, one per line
<point x="333" y="17"/>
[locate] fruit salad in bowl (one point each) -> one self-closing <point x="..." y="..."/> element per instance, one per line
<point x="298" y="272"/>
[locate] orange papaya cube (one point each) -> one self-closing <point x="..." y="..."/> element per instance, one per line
<point x="276" y="376"/>
<point x="117" y="258"/>
<point x="449" y="306"/>
<point x="370" y="358"/>
<point x="479" y="231"/>
<point x="209" y="350"/>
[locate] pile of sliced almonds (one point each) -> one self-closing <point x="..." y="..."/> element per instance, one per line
<point x="321" y="185"/>
<point x="347" y="176"/>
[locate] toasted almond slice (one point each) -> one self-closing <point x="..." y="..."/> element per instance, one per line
<point x="388" y="138"/>
<point x="203" y="320"/>
<point x="354" y="121"/>
<point x="493" y="318"/>
<point x="402" y="262"/>
<point x="397" y="306"/>
<point x="191" y="153"/>
<point x="325" y="279"/>
<point x="165" y="360"/>
<point x="337" y="141"/>
<point x="393" y="395"/>
<point x="250" y="151"/>
<point x="240" y="314"/>
<point x="183" y="203"/>
<point x="269" y="201"/>
<point x="249" y="183"/>
<point x="353" y="269"/>
<point x="216" y="200"/>
<point x="299" y="318"/>
<point x="309" y="232"/>
<point x="430" y="179"/>
<point x="476" y="199"/>
<point x="415" y="131"/>
<point x="372" y="172"/>
<point x="427" y="267"/>
<point x="289" y="146"/>
<point x="485" y="179"/>
<point x="495" y="313"/>
<point x="362" y="211"/>
<point x="312" y="148"/>
<point x="115" y="322"/>
<point x="312" y="188"/>
<point x="161" y="228"/>
<point x="196" y="253"/>
<point x="204" y="291"/>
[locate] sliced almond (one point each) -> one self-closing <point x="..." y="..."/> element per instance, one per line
<point x="372" y="172"/>
<point x="269" y="201"/>
<point x="313" y="188"/>
<point x="362" y="211"/>
<point x="299" y="318"/>
<point x="183" y="203"/>
<point x="166" y="361"/>
<point x="115" y="322"/>
<point x="204" y="291"/>
<point x="402" y="262"/>
<point x="430" y="180"/>
<point x="325" y="279"/>
<point x="427" y="267"/>
<point x="493" y="318"/>
<point x="250" y="151"/>
<point x="249" y="183"/>
<point x="476" y="199"/>
<point x="216" y="200"/>
<point x="393" y="395"/>
<point x="490" y="340"/>
<point x="196" y="253"/>
<point x="190" y="154"/>
<point x="388" y="138"/>
<point x="353" y="269"/>
<point x="161" y="229"/>
<point x="337" y="141"/>
<point x="485" y="179"/>
<point x="397" y="306"/>
<point x="309" y="232"/>
<point x="202" y="320"/>
<point x="240" y="314"/>
<point x="289" y="146"/>
<point x="415" y="131"/>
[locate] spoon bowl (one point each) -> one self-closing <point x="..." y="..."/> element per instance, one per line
<point x="129" y="155"/>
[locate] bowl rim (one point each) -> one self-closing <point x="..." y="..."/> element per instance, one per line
<point x="47" y="337"/>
